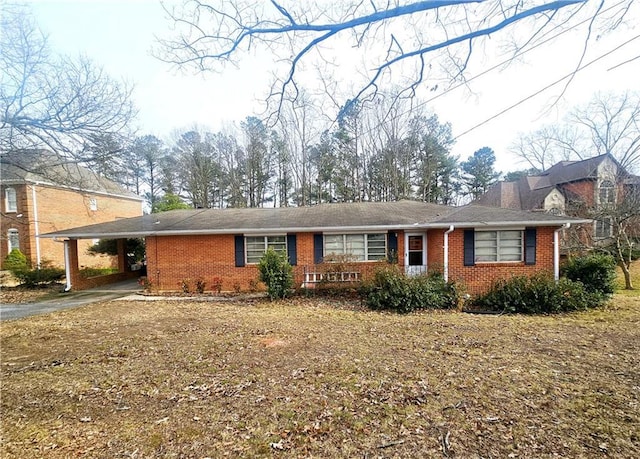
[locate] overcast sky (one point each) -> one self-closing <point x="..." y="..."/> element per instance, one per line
<point x="120" y="35"/>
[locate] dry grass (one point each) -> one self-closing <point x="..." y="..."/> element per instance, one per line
<point x="304" y="379"/>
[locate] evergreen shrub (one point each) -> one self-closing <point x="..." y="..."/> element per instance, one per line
<point x="277" y="274"/>
<point x="390" y="289"/>
<point x="596" y="271"/>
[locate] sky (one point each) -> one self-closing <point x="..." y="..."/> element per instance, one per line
<point x="120" y="36"/>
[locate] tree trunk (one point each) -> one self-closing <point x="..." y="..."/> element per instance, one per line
<point x="628" y="284"/>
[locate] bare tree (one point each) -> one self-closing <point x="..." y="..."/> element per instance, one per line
<point x="410" y="42"/>
<point x="609" y="123"/>
<point x="52" y="102"/>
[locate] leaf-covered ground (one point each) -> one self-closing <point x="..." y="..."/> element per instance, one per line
<point x="307" y="379"/>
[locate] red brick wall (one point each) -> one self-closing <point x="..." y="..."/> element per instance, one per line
<point x="59" y="209"/>
<point x="585" y="189"/>
<point x="11" y="220"/>
<point x="479" y="278"/>
<point x="171" y="259"/>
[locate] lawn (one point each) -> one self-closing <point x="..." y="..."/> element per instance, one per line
<point x="312" y="379"/>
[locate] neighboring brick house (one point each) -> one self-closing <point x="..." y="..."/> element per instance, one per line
<point x="474" y="245"/>
<point x="40" y="195"/>
<point x="581" y="188"/>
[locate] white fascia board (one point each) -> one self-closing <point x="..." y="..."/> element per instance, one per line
<point x="84" y="190"/>
<point x="326" y="229"/>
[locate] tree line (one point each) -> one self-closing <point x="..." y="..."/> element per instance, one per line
<point x="361" y="158"/>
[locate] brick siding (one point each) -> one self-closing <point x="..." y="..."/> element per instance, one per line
<point x="171" y="259"/>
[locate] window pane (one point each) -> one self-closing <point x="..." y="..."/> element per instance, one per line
<point x="333" y="244"/>
<point x="355" y="246"/>
<point x="486" y="235"/>
<point x="14" y="239"/>
<point x="255" y="247"/>
<point x="277" y="243"/>
<point x="11" y="200"/>
<point x="498" y="245"/>
<point x="376" y="246"/>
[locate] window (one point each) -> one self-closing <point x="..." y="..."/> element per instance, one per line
<point x="14" y="239"/>
<point x="607" y="192"/>
<point x="256" y="246"/>
<point x="10" y="200"/>
<point x="603" y="228"/>
<point x="93" y="204"/>
<point x="498" y="246"/>
<point x="362" y="247"/>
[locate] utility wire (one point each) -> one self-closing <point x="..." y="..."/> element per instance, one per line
<point x="550" y="85"/>
<point x="490" y="69"/>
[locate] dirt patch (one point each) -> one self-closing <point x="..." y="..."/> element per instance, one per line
<point x="305" y="379"/>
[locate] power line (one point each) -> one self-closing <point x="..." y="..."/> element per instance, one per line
<point x="492" y="68"/>
<point x="521" y="101"/>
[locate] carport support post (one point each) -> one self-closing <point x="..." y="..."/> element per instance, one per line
<point x="122" y="256"/>
<point x="71" y="263"/>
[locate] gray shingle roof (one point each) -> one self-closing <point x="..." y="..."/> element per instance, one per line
<point x="364" y="216"/>
<point x="37" y="166"/>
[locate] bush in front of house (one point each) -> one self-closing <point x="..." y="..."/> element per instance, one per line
<point x="538" y="294"/>
<point x="390" y="289"/>
<point x="277" y="274"/>
<point x="596" y="271"/>
<point x="45" y="274"/>
<point x="15" y="261"/>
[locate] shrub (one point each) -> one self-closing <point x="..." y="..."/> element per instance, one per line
<point x="46" y="274"/>
<point x="185" y="285"/>
<point x="596" y="271"/>
<point x="200" y="285"/>
<point x="391" y="290"/>
<point x="538" y="294"/>
<point x="15" y="261"/>
<point x="216" y="284"/>
<point x="277" y="274"/>
<point x="146" y="283"/>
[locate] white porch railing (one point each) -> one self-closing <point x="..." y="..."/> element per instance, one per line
<point x="415" y="270"/>
<point x="314" y="277"/>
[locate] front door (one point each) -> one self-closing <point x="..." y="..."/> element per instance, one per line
<point x="415" y="262"/>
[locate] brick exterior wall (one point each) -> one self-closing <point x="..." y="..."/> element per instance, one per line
<point x="478" y="278"/>
<point x="57" y="209"/>
<point x="171" y="259"/>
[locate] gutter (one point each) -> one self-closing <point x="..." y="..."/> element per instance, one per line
<point x="556" y="251"/>
<point x="446" y="253"/>
<point x="310" y="229"/>
<point x="67" y="266"/>
<point x="36" y="225"/>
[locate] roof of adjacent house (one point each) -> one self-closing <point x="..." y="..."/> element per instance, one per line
<point x="529" y="192"/>
<point x="46" y="168"/>
<point x="360" y="216"/>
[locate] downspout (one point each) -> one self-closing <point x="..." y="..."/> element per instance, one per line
<point x="67" y="266"/>
<point x="556" y="251"/>
<point x="36" y="226"/>
<point x="446" y="253"/>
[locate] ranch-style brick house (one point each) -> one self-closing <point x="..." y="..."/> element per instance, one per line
<point x="474" y="245"/>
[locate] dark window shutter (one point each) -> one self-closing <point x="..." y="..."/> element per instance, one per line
<point x="392" y="246"/>
<point x="239" y="250"/>
<point x="469" y="247"/>
<point x="292" y="249"/>
<point x="317" y="248"/>
<point x="530" y="246"/>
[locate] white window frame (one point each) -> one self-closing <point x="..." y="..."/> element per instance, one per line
<point x="501" y="246"/>
<point x="93" y="204"/>
<point x="600" y="225"/>
<point x="10" y="200"/>
<point x="366" y="256"/>
<point x="13" y="235"/>
<point x="607" y="192"/>
<point x="268" y="242"/>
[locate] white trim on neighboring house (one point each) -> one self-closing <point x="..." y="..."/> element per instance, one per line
<point x="73" y="188"/>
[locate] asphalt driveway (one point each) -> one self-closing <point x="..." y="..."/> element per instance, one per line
<point x="69" y="300"/>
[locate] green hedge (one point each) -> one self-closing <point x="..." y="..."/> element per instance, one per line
<point x="390" y="289"/>
<point x="597" y="272"/>
<point x="538" y="294"/>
